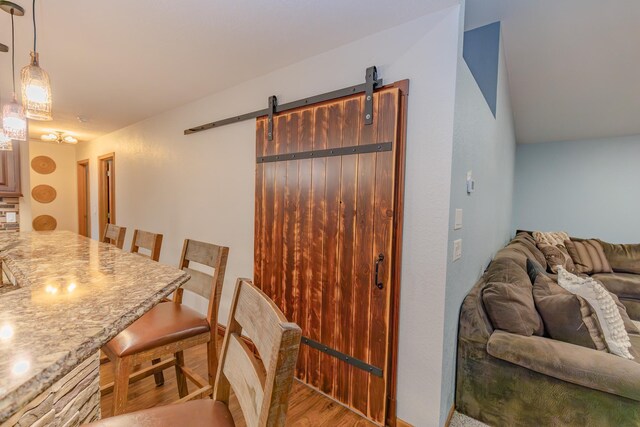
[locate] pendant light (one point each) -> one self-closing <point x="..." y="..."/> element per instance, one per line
<point x="36" y="89"/>
<point x="5" y="142"/>
<point x="13" y="119"/>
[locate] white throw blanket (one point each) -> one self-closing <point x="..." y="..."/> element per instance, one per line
<point x="611" y="323"/>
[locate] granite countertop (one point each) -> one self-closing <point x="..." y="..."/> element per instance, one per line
<point x="73" y="295"/>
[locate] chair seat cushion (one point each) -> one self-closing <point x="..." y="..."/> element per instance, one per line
<point x="196" y="413"/>
<point x="625" y="285"/>
<point x="165" y="323"/>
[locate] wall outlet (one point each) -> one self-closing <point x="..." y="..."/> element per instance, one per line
<point x="458" y="220"/>
<point x="12" y="217"/>
<point x="457" y="249"/>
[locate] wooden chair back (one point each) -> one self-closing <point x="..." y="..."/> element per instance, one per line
<point x="208" y="286"/>
<point x="261" y="384"/>
<point x="150" y="242"/>
<point x="114" y="235"/>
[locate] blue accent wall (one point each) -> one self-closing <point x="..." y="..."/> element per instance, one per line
<point x="484" y="144"/>
<point x="586" y="188"/>
<point x="481" y="52"/>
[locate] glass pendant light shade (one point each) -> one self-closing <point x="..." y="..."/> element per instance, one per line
<point x="5" y="142"/>
<point x="36" y="91"/>
<point x="14" y="121"/>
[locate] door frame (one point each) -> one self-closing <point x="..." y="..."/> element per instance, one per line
<point x="396" y="272"/>
<point x="84" y="219"/>
<point x="103" y="198"/>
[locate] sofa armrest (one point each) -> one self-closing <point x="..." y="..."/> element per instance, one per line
<point x="568" y="362"/>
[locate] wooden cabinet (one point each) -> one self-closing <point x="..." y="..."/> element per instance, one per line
<point x="10" y="172"/>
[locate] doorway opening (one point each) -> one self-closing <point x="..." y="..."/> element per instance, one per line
<point x="106" y="191"/>
<point x="84" y="226"/>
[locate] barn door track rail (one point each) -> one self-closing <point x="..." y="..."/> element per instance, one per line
<point x="371" y="83"/>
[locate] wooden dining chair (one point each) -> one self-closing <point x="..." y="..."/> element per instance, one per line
<point x="261" y="384"/>
<point x="149" y="242"/>
<point x="170" y="328"/>
<point x="114" y="235"/>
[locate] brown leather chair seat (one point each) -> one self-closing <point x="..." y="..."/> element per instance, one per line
<point x="165" y="323"/>
<point x="196" y="413"/>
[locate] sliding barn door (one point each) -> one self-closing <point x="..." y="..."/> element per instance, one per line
<point x="327" y="208"/>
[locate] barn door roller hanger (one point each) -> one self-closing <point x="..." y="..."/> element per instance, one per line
<point x="371" y="83"/>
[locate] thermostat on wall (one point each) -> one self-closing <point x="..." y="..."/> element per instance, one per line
<point x="11" y="217"/>
<point x="471" y="184"/>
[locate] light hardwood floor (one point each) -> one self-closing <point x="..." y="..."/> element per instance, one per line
<point x="306" y="406"/>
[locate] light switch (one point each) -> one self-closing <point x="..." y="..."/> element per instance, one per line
<point x="457" y="249"/>
<point x="458" y="220"/>
<point x="12" y="217"/>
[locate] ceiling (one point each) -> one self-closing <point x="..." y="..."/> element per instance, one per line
<point x="573" y="65"/>
<point x="117" y="62"/>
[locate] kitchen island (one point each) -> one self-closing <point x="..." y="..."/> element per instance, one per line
<point x="68" y="296"/>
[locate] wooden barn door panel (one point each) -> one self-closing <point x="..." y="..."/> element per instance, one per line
<point x="320" y="225"/>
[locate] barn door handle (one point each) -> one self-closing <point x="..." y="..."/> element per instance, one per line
<point x="377" y="281"/>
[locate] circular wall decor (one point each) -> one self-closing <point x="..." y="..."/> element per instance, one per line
<point x="44" y="193"/>
<point x="44" y="223"/>
<point x="43" y="164"/>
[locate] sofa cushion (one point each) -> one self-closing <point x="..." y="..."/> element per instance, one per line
<point x="633" y="307"/>
<point x="511" y="308"/>
<point x="622" y="258"/>
<point x="525" y="244"/>
<point x="568" y="362"/>
<point x="557" y="255"/>
<point x="588" y="256"/>
<point x="625" y="285"/>
<point x="507" y="270"/>
<point x="550" y="237"/>
<point x="566" y="317"/>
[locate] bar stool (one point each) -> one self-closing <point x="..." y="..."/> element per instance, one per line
<point x="261" y="384"/>
<point x="170" y="328"/>
<point x="114" y="235"/>
<point x="151" y="244"/>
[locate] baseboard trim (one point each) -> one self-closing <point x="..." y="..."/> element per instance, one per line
<point x="402" y="423"/>
<point x="450" y="416"/>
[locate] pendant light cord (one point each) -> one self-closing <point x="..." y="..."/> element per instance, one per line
<point x="34" y="26"/>
<point x="13" y="54"/>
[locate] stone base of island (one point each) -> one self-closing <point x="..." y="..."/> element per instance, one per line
<point x="72" y="401"/>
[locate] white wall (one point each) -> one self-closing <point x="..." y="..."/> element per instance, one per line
<point x="486" y="146"/>
<point x="586" y="188"/>
<point x="202" y="186"/>
<point x="65" y="207"/>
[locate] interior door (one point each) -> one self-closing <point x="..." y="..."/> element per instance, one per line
<point x="83" y="198"/>
<point x="106" y="191"/>
<point x="327" y="221"/>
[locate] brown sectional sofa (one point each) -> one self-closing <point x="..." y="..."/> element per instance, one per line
<point x="507" y="379"/>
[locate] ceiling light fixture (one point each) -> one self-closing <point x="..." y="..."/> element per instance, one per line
<point x="59" y="137"/>
<point x="36" y="88"/>
<point x="13" y="118"/>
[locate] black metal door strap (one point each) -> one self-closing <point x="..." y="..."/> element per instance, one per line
<point x="371" y="83"/>
<point x="331" y="152"/>
<point x="342" y="356"/>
